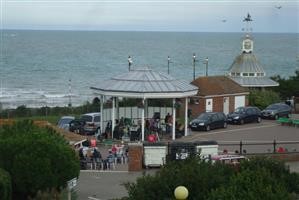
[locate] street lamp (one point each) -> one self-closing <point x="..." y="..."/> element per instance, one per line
<point x="181" y="193"/>
<point x="168" y="62"/>
<point x="194" y="60"/>
<point x="130" y="61"/>
<point x="207" y="65"/>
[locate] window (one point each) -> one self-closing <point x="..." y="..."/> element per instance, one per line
<point x="251" y="74"/>
<point x="97" y="118"/>
<point x="238" y="74"/>
<point x="245" y="74"/>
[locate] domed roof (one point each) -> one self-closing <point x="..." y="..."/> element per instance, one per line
<point x="246" y="62"/>
<point x="145" y="83"/>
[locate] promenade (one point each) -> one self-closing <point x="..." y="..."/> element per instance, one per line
<point x="108" y="184"/>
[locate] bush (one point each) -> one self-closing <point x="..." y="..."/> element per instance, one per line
<point x="5" y="185"/>
<point x="258" y="178"/>
<point x="38" y="159"/>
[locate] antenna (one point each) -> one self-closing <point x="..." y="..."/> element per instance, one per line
<point x="168" y="62"/>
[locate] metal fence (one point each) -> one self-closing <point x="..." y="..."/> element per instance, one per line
<point x="259" y="147"/>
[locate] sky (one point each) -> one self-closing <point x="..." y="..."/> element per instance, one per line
<point x="150" y="15"/>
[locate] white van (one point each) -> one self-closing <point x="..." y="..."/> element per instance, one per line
<point x="93" y="123"/>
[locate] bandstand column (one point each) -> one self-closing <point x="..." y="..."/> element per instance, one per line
<point x="186" y="116"/>
<point x="102" y="113"/>
<point x="142" y="120"/>
<point x="113" y="116"/>
<point x="173" y="119"/>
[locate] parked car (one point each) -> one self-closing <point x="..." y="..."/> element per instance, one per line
<point x="245" y="115"/>
<point x="77" y="126"/>
<point x="209" y="120"/>
<point x="276" y="110"/>
<point x="64" y="122"/>
<point x="92" y="123"/>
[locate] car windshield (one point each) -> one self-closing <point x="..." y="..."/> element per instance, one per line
<point x="204" y="116"/>
<point x="86" y="118"/>
<point x="64" y="121"/>
<point x="273" y="107"/>
<point x="239" y="110"/>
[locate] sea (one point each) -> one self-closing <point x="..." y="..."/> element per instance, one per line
<point x="55" y="68"/>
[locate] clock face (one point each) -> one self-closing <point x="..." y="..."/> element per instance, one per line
<point x="247" y="45"/>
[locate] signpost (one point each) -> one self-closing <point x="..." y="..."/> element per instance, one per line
<point x="70" y="185"/>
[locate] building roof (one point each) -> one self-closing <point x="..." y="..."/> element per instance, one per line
<point x="246" y="62"/>
<point x="254" y="81"/>
<point x="145" y="83"/>
<point x="217" y="85"/>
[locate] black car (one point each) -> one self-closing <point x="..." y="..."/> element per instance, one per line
<point x="209" y="120"/>
<point x="245" y="115"/>
<point x="274" y="111"/>
<point x="77" y="126"/>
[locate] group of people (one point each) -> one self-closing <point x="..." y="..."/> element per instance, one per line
<point x="93" y="157"/>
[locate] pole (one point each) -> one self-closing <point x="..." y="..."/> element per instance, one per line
<point x="207" y="63"/>
<point x="168" y="61"/>
<point x="173" y="119"/>
<point x="70" y="92"/>
<point x="194" y="57"/>
<point x="69" y="195"/>
<point x="130" y="62"/>
<point x="186" y="116"/>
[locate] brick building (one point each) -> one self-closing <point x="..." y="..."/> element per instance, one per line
<point x="217" y="94"/>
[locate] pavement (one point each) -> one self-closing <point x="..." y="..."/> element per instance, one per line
<point x="108" y="184"/>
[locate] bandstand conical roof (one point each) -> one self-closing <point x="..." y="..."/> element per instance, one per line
<point x="145" y="83"/>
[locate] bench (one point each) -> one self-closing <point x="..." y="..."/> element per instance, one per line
<point x="295" y="122"/>
<point x="284" y="120"/>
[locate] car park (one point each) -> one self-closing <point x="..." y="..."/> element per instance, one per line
<point x="64" y="122"/>
<point x="209" y="120"/>
<point x="276" y="110"/>
<point x="92" y="123"/>
<point x="245" y="115"/>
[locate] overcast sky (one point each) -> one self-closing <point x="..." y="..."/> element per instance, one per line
<point x="148" y="15"/>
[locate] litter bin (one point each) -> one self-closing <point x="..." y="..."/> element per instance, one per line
<point x="154" y="154"/>
<point x="181" y="150"/>
<point x="206" y="148"/>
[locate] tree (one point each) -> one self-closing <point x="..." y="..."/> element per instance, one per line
<point x="5" y="185"/>
<point x="38" y="159"/>
<point x="262" y="99"/>
<point x="287" y="87"/>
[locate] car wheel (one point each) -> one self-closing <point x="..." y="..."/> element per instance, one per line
<point x="208" y="128"/>
<point x="259" y="120"/>
<point x="242" y="121"/>
<point x="276" y="117"/>
<point x="224" y="125"/>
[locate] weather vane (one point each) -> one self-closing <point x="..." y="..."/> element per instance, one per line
<point x="247" y="19"/>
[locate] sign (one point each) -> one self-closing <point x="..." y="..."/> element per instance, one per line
<point x="72" y="183"/>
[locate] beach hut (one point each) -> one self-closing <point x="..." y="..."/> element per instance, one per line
<point x="145" y="83"/>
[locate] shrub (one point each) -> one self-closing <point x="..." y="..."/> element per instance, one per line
<point x="37" y="159"/>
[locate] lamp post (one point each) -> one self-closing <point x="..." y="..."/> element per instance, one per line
<point x="181" y="193"/>
<point x="130" y="61"/>
<point x="194" y="60"/>
<point x="207" y="65"/>
<point x="168" y="62"/>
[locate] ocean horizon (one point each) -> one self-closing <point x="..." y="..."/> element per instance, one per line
<point x="36" y="65"/>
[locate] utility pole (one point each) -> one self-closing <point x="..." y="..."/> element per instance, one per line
<point x="207" y="65"/>
<point x="194" y="60"/>
<point x="130" y="61"/>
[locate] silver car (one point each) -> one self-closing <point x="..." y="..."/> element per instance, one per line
<point x="274" y="111"/>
